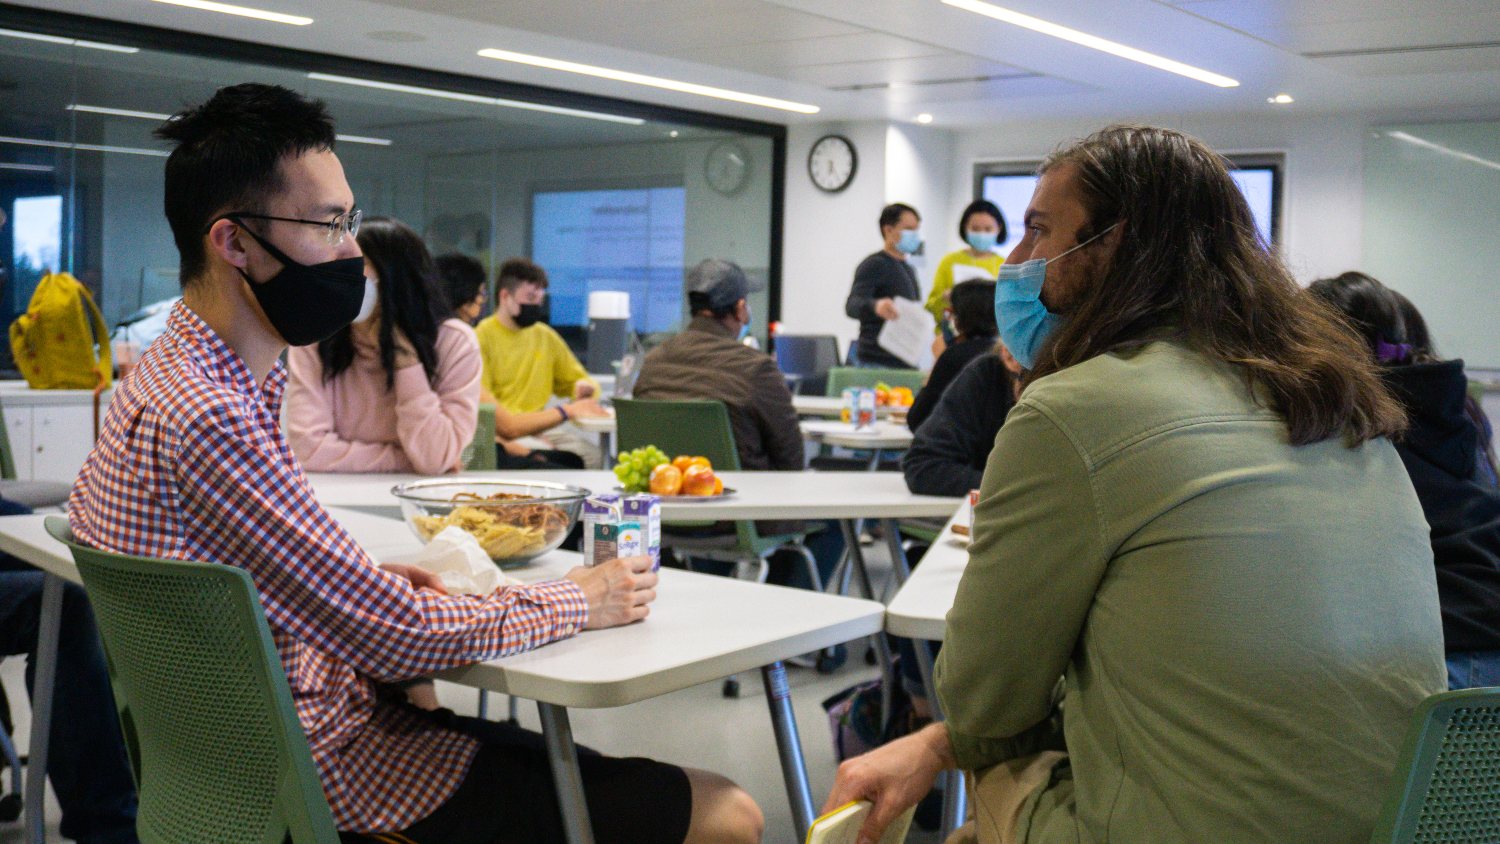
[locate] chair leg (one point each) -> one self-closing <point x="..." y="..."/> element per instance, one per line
<point x="484" y="704"/>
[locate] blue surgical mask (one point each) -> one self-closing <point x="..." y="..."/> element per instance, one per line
<point x="981" y="241"/>
<point x="745" y="328"/>
<point x="910" y="241"/>
<point x="1025" y="323"/>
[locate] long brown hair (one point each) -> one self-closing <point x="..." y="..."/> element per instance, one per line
<point x="1190" y="263"/>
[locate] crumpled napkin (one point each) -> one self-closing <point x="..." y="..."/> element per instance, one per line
<point x="457" y="559"/>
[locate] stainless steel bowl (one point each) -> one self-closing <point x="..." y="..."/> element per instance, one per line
<point x="512" y="531"/>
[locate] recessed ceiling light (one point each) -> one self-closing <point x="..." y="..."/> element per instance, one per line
<point x="37" y="142"/>
<point x="72" y="42"/>
<point x="1281" y="99"/>
<point x="242" y="11"/>
<point x="364" y="139"/>
<point x="650" y="81"/>
<point x="924" y="117"/>
<point x="672" y="134"/>
<point x="29" y="168"/>
<point x="1093" y="42"/>
<point x="475" y="98"/>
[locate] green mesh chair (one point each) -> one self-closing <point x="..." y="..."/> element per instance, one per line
<point x="207" y="714"/>
<point x="1446" y="789"/>
<point x="481" y="454"/>
<point x="702" y="427"/>
<point x="850" y="376"/>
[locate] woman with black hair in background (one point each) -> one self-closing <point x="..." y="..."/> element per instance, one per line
<point x="1446" y="456"/>
<point x="398" y="391"/>
<point x="981" y="227"/>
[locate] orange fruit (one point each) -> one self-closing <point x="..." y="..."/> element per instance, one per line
<point x="700" y="460"/>
<point x="718" y="485"/>
<point x="882" y="397"/>
<point x="666" y="479"/>
<point x="698" y="480"/>
<point x="681" y="461"/>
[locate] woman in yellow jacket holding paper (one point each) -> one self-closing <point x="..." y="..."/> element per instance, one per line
<point x="983" y="228"/>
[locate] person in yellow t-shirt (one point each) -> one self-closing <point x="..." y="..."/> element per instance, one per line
<point x="982" y="227"/>
<point x="526" y="362"/>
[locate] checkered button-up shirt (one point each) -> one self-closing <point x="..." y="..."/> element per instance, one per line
<point x="191" y="464"/>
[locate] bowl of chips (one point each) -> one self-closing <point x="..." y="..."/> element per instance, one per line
<point x="514" y="521"/>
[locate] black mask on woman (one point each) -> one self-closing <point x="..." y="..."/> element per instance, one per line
<point x="306" y="303"/>
<point x="530" y="315"/>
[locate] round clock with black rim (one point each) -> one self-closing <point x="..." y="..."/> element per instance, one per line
<point x="831" y="163"/>
<point x="727" y="167"/>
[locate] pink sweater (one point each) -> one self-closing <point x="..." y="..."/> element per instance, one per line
<point x="354" y="424"/>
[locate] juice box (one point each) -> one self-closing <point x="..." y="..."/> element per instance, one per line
<point x="645" y="511"/>
<point x="600" y="508"/>
<point x="865" y="418"/>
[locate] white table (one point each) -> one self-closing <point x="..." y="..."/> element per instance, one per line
<point x="701" y="628"/>
<point x="833" y="407"/>
<point x="882" y="435"/>
<point x="604" y="426"/>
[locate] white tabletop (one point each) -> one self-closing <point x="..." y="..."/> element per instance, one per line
<point x="758" y="495"/>
<point x="595" y="424"/>
<point x="701" y="627"/>
<point x="883" y="434"/>
<point x="833" y="407"/>
<point x="920" y="608"/>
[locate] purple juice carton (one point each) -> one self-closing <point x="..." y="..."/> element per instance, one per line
<point x="599" y="509"/>
<point x="645" y="512"/>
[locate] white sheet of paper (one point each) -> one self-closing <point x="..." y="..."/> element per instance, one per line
<point x="964" y="272"/>
<point x="908" y="336"/>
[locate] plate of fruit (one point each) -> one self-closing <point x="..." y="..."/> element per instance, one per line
<point x="685" y="477"/>
<point x="888" y="396"/>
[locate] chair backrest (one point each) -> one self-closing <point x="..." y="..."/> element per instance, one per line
<point x="208" y="717"/>
<point x="809" y="356"/>
<point x="848" y="376"/>
<point x="7" y="460"/>
<point x="678" y="427"/>
<point x="1446" y="787"/>
<point x="482" y="453"/>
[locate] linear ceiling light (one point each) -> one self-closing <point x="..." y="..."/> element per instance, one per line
<point x="29" y="168"/>
<point x="152" y="115"/>
<point x="1094" y="42"/>
<point x="36" y="142"/>
<point x="74" y="42"/>
<point x="1436" y="147"/>
<point x="475" y="98"/>
<point x="242" y="11"/>
<point x="652" y="81"/>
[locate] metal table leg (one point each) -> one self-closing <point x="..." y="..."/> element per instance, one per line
<point x="955" y="796"/>
<point x="892" y="530"/>
<point x="882" y="646"/>
<point x="563" y="756"/>
<point x="607" y="449"/>
<point x="789" y="746"/>
<point x="35" y="799"/>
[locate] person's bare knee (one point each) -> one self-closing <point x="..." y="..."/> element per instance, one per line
<point x="723" y="813"/>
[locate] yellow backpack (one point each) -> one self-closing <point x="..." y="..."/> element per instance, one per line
<point x="53" y="343"/>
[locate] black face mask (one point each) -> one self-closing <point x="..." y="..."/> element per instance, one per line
<point x="306" y="303"/>
<point x="530" y="315"/>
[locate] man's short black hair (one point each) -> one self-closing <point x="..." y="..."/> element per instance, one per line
<point x="228" y="157"/>
<point x="461" y="278"/>
<point x="518" y="271"/>
<point x="973" y="304"/>
<point x="891" y="214"/>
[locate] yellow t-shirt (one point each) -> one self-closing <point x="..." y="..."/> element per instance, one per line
<point x="525" y="367"/>
<point x="942" y="280"/>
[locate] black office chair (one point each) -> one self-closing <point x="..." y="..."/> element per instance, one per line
<point x="808" y="359"/>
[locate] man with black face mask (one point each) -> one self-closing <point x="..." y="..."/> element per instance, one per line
<point x="526" y="363"/>
<point x="192" y="464"/>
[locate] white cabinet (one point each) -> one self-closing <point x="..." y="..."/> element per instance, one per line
<point x="51" y="431"/>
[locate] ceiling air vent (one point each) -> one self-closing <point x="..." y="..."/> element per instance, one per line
<point x="917" y="83"/>
<point x="1394" y="51"/>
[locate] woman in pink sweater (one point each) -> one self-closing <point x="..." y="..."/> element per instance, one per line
<point x="398" y="392"/>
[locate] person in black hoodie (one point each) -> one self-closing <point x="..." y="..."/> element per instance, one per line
<point x="953" y="443"/>
<point x="1443" y="452"/>
<point x="973" y="306"/>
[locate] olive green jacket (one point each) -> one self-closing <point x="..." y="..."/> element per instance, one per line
<point x="1243" y="626"/>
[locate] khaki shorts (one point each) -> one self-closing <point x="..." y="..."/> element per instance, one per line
<point x="1000" y="795"/>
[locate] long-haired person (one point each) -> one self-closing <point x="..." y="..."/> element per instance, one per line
<point x="398" y="391"/>
<point x="1199" y="602"/>
<point x="1445" y="455"/>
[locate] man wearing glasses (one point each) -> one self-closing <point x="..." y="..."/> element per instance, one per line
<point x="192" y="464"/>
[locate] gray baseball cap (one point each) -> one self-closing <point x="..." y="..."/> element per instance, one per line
<point x="716" y="284"/>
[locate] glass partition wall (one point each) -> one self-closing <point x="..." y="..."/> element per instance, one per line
<point x="605" y="194"/>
